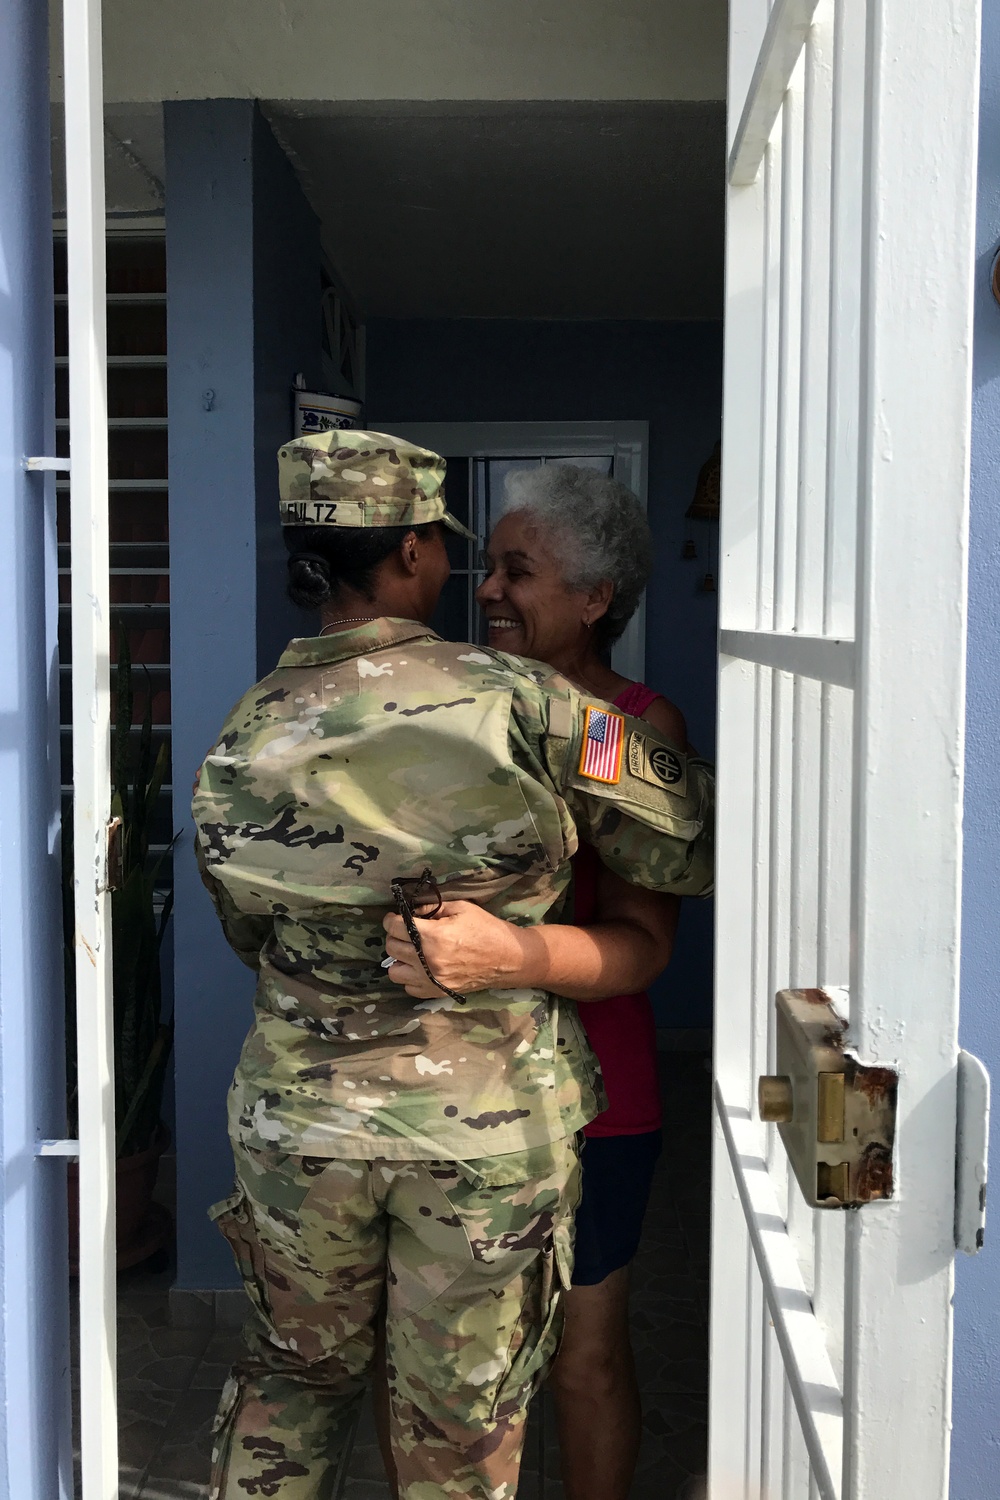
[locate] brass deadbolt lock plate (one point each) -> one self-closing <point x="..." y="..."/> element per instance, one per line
<point x="836" y="1116"/>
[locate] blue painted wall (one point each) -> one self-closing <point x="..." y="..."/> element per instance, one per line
<point x="243" y="258"/>
<point x="34" y="1302"/>
<point x="669" y="374"/>
<point x="976" y="1405"/>
<point x="286" y="332"/>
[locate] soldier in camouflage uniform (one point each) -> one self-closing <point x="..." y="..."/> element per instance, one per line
<point x="416" y="1155"/>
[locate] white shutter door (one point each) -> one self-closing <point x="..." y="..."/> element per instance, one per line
<point x="851" y="207"/>
<point x="88" y="409"/>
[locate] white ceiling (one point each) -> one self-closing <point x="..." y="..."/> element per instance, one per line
<point x="534" y="210"/>
<point x="466" y="158"/>
<point x="133" y="159"/>
<point x="409" y="49"/>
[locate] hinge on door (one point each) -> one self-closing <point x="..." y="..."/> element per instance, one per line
<point x="40" y="463"/>
<point x="972" y="1134"/>
<point x="64" y="1148"/>
<point x="836" y="1115"/>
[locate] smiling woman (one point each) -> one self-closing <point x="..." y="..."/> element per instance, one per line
<point x="581" y="538"/>
<point x="571" y="547"/>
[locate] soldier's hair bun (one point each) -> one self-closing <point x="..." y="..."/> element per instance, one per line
<point x="326" y="560"/>
<point x="309" y="581"/>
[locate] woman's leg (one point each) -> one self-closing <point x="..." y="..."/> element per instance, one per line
<point x="309" y="1239"/>
<point x="596" y="1395"/>
<point x="593" y="1381"/>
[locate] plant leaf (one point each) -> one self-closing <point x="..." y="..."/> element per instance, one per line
<point x="155" y="1063"/>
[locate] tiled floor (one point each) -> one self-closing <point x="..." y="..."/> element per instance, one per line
<point x="169" y="1378"/>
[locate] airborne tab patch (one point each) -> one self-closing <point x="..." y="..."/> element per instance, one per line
<point x="658" y="764"/>
<point x="603" y="742"/>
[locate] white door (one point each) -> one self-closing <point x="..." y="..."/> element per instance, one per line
<point x="851" y="198"/>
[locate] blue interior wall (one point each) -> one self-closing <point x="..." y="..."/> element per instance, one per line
<point x="286" y="332"/>
<point x="976" y="1404"/>
<point x="669" y="374"/>
<point x="243" y="318"/>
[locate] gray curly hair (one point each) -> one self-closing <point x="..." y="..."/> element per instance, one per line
<point x="602" y="531"/>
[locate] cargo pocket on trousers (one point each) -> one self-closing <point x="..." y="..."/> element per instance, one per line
<point x="222" y="1431"/>
<point x="540" y="1344"/>
<point x="235" y="1222"/>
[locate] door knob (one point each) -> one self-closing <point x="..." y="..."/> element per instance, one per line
<point x="774" y="1098"/>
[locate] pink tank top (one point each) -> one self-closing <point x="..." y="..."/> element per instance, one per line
<point x="621" y="1029"/>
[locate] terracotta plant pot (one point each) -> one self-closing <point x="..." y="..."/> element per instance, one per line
<point x="141" y="1226"/>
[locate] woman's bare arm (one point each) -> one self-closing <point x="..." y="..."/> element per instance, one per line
<point x="668" y="719"/>
<point x="622" y="951"/>
<point x="468" y="949"/>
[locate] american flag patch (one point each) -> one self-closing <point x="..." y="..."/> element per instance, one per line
<point x="603" y="739"/>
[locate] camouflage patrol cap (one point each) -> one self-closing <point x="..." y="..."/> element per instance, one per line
<point x="350" y="478"/>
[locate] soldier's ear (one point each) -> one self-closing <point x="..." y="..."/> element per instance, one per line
<point x="409" y="553"/>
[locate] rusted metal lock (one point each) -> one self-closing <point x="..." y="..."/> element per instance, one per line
<point x="836" y="1116"/>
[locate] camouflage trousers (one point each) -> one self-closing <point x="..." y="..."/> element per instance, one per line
<point x="468" y="1261"/>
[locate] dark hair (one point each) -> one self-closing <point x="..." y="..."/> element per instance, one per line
<point x="325" y="559"/>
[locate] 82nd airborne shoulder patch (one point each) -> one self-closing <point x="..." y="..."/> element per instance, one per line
<point x="659" y="764"/>
<point x="603" y="743"/>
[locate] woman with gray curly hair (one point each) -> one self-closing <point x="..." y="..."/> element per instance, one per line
<point x="597" y="530"/>
<point x="567" y="564"/>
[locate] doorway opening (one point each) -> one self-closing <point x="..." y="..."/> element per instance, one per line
<point x="623" y="374"/>
<point x="525" y="259"/>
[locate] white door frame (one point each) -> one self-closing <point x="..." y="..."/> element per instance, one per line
<point x="90" y="624"/>
<point x="851" y="211"/>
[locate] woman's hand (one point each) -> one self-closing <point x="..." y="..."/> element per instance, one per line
<point x="468" y="949"/>
<point x="465" y="947"/>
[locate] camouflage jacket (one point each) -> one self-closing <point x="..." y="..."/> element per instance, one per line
<point x="375" y="753"/>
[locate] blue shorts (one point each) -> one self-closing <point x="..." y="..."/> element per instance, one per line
<point x="617" y="1177"/>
